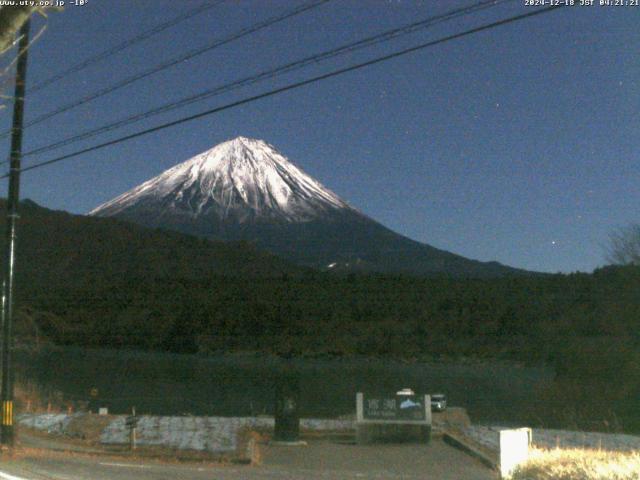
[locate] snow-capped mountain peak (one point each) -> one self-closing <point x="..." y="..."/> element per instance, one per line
<point x="244" y="189"/>
<point x="238" y="180"/>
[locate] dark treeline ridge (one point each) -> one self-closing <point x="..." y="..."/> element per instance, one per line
<point x="525" y="318"/>
<point x="104" y="283"/>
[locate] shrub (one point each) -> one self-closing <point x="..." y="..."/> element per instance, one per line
<point x="577" y="464"/>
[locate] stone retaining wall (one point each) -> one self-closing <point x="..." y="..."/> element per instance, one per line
<point x="212" y="434"/>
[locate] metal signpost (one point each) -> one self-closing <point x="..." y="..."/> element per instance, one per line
<point x="131" y="423"/>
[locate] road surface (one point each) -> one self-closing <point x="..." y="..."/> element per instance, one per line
<point x="320" y="460"/>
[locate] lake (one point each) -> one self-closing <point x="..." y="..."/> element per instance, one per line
<point x="234" y="385"/>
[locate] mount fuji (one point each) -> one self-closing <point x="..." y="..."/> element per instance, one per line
<point x="244" y="189"/>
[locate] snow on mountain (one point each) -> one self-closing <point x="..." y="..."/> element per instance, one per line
<point x="239" y="180"/>
<point x="244" y="189"/>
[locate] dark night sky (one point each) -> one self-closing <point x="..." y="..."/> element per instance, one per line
<point x="518" y="144"/>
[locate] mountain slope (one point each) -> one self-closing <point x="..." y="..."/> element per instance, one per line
<point x="57" y="248"/>
<point x="244" y="189"/>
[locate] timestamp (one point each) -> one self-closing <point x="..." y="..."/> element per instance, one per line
<point x="581" y="3"/>
<point x="619" y="3"/>
<point x="550" y="3"/>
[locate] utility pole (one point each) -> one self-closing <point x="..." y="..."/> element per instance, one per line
<point x="13" y="197"/>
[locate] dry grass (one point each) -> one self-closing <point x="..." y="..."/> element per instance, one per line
<point x="249" y="451"/>
<point x="577" y="464"/>
<point x="88" y="427"/>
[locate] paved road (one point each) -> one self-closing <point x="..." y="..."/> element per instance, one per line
<point x="331" y="460"/>
<point x="317" y="461"/>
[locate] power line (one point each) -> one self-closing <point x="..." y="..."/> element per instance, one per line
<point x="126" y="44"/>
<point x="163" y="66"/>
<point x="292" y="86"/>
<point x="287" y="68"/>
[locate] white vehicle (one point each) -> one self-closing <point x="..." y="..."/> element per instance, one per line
<point x="438" y="402"/>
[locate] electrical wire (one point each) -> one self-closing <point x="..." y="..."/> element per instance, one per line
<point x="125" y="44"/>
<point x="272" y="73"/>
<point x="292" y="86"/>
<point x="175" y="61"/>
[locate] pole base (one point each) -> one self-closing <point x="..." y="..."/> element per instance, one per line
<point x="7" y="435"/>
<point x="285" y="443"/>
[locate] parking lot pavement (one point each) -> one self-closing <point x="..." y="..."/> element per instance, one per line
<point x="319" y="460"/>
<point x="334" y="460"/>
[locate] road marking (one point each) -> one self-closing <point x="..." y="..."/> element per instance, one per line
<point x="7" y="476"/>
<point x="123" y="465"/>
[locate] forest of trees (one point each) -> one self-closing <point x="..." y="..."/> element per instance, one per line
<point x="584" y="326"/>
<point x="103" y="283"/>
<point x="312" y="313"/>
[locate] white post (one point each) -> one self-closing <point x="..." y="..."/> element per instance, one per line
<point x="514" y="449"/>
<point x="427" y="409"/>
<point x="359" y="407"/>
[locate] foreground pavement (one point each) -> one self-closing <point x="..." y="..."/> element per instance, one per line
<point x="320" y="460"/>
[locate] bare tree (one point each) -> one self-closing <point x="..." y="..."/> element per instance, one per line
<point x="11" y="19"/>
<point x="624" y="246"/>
